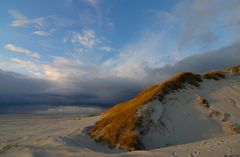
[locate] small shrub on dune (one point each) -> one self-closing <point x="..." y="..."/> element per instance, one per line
<point x="224" y="117"/>
<point x="214" y="75"/>
<point x="234" y="70"/>
<point x="213" y="114"/>
<point x="230" y="128"/>
<point x="6" y="148"/>
<point x="202" y="101"/>
<point x="119" y="125"/>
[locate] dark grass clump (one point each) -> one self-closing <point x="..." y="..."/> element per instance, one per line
<point x="214" y="75"/>
<point x="234" y="70"/>
<point x="7" y="148"/>
<point x="202" y="101"/>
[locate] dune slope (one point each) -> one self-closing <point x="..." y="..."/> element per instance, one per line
<point x="186" y="108"/>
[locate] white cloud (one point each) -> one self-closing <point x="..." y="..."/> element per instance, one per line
<point x="199" y="21"/>
<point x="51" y="72"/>
<point x="25" y="63"/>
<point x="106" y="48"/>
<point x="39" y="22"/>
<point x="43" y="26"/>
<point x="19" y="19"/>
<point x="87" y="38"/>
<point x="93" y="3"/>
<point x="39" y="70"/>
<point x="188" y="29"/>
<point x="27" y="67"/>
<point x="157" y="46"/>
<point x="41" y="33"/>
<point x="154" y="49"/>
<point x="12" y="47"/>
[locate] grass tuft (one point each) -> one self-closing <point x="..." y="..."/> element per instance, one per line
<point x="6" y="148"/>
<point x="202" y="101"/>
<point x="214" y="75"/>
<point x="230" y="128"/>
<point x="234" y="70"/>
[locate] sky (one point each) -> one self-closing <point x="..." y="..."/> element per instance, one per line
<point x="102" y="52"/>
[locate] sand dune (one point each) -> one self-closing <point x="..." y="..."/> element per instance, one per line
<point x="186" y="108"/>
<point x="180" y="119"/>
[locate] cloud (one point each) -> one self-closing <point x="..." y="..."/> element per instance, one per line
<point x="106" y="48"/>
<point x="19" y="19"/>
<point x="87" y="38"/>
<point x="51" y="72"/>
<point x="43" y="26"/>
<point x="190" y="27"/>
<point x="18" y="92"/>
<point x="84" y="85"/>
<point x="199" y="20"/>
<point x="153" y="49"/>
<point x="12" y="47"/>
<point x="41" y="33"/>
<point x="39" y="70"/>
<point x="212" y="60"/>
<point x="25" y="63"/>
<point x="93" y="3"/>
<point x="40" y="22"/>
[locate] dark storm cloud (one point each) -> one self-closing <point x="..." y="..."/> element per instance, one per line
<point x="212" y="60"/>
<point x="18" y="91"/>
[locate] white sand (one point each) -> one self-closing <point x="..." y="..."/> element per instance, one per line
<point x="180" y="119"/>
<point x="46" y="137"/>
<point x="185" y="121"/>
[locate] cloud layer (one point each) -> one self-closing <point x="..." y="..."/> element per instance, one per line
<point x="19" y="90"/>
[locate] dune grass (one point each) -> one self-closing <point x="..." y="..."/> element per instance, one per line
<point x="214" y="75"/>
<point x="202" y="101"/>
<point x="118" y="127"/>
<point x="6" y="148"/>
<point x="230" y="128"/>
<point x="234" y="70"/>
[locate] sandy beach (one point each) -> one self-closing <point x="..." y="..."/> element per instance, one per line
<point x="43" y="136"/>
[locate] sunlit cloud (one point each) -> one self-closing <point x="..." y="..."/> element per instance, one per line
<point x="41" y="33"/>
<point x="43" y="26"/>
<point x="19" y="19"/>
<point x="51" y="72"/>
<point x="39" y="70"/>
<point x="12" y="47"/>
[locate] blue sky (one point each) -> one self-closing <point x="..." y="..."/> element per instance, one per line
<point x="111" y="35"/>
<point x="74" y="42"/>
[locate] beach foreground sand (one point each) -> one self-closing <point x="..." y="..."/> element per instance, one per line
<point x="43" y="136"/>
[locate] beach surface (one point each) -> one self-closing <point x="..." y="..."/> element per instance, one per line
<point x="47" y="136"/>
